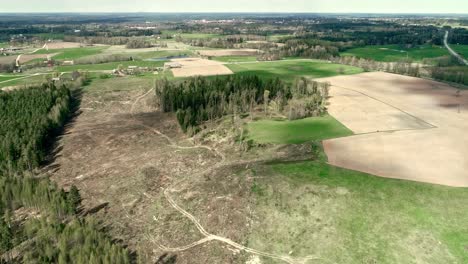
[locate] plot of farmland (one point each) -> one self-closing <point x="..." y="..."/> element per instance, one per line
<point x="199" y="67"/>
<point x="408" y="128"/>
<point x="229" y="52"/>
<point x="391" y="53"/>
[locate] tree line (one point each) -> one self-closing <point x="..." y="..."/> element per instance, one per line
<point x="202" y="99"/>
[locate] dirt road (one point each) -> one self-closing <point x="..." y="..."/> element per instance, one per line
<point x="454" y="53"/>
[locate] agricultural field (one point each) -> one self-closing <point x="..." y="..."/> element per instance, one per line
<point x="234" y="59"/>
<point x="392" y="53"/>
<point x="4" y="78"/>
<point x="72" y="53"/>
<point x="190" y="35"/>
<point x="289" y="70"/>
<point x="21" y="81"/>
<point x="297" y="131"/>
<point x="109" y="66"/>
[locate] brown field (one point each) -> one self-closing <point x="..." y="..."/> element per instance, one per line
<point x="7" y="59"/>
<point x="407" y="128"/>
<point x="63" y="45"/>
<point x="229" y="52"/>
<point x="199" y="67"/>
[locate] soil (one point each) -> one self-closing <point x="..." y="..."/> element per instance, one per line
<point x="407" y="128"/>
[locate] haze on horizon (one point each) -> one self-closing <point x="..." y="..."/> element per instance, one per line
<point x="303" y="6"/>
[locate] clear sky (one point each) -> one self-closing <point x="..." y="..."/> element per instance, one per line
<point x="313" y="6"/>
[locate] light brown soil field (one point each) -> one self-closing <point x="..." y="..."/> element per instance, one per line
<point x="63" y="45"/>
<point x="407" y="128"/>
<point x="7" y="59"/>
<point x="229" y="52"/>
<point x="199" y="67"/>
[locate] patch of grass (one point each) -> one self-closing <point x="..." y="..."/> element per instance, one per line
<point x="288" y="70"/>
<point x="278" y="37"/>
<point x="72" y="53"/>
<point x="461" y="49"/>
<point x="109" y="65"/>
<point x="18" y="81"/>
<point x="191" y="35"/>
<point x="343" y="216"/>
<point x="47" y="36"/>
<point x="233" y="59"/>
<point x="6" y="78"/>
<point x="391" y="53"/>
<point x="297" y="131"/>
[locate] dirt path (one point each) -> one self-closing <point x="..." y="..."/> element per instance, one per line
<point x="208" y="236"/>
<point x="454" y="53"/>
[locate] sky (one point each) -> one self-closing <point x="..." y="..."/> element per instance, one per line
<point x="312" y="6"/>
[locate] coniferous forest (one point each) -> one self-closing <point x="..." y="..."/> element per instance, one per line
<point x="202" y="99"/>
<point x="39" y="222"/>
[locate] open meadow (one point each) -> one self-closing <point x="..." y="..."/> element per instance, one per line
<point x="393" y="53"/>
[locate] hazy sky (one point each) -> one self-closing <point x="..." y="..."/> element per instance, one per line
<point x="355" y="6"/>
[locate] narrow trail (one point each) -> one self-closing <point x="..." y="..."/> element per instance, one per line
<point x="208" y="236"/>
<point x="453" y="52"/>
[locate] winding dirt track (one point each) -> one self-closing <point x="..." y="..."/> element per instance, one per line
<point x="208" y="236"/>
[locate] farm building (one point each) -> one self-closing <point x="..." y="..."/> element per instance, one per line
<point x="172" y="65"/>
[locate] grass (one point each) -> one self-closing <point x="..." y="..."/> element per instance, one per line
<point x="72" y="53"/>
<point x="291" y="69"/>
<point x="297" y="131"/>
<point x="6" y="78"/>
<point x="461" y="49"/>
<point x="343" y="216"/>
<point x="17" y="81"/>
<point x="191" y="35"/>
<point x="233" y="59"/>
<point x="109" y="66"/>
<point x="390" y="53"/>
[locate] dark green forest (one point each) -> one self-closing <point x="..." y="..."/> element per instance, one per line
<point x="40" y="222"/>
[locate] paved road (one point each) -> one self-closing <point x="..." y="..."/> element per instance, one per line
<point x="460" y="58"/>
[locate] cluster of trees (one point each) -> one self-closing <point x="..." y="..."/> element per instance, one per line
<point x="309" y="98"/>
<point x="53" y="230"/>
<point x="450" y="74"/>
<point x="404" y="67"/>
<point x="459" y="36"/>
<point x="27" y="116"/>
<point x="199" y="99"/>
<point x="138" y="43"/>
<point x="226" y="42"/>
<point x="308" y="48"/>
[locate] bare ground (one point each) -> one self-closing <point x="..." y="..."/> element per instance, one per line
<point x="407" y="128"/>
<point x="199" y="67"/>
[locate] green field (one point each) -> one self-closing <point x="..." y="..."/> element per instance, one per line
<point x="191" y="35"/>
<point x="17" y="81"/>
<point x="343" y="216"/>
<point x="109" y="66"/>
<point x="389" y="53"/>
<point x="72" y="53"/>
<point x="288" y="70"/>
<point x="6" y="78"/>
<point x="297" y="131"/>
<point x="461" y="49"/>
<point x="233" y="59"/>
